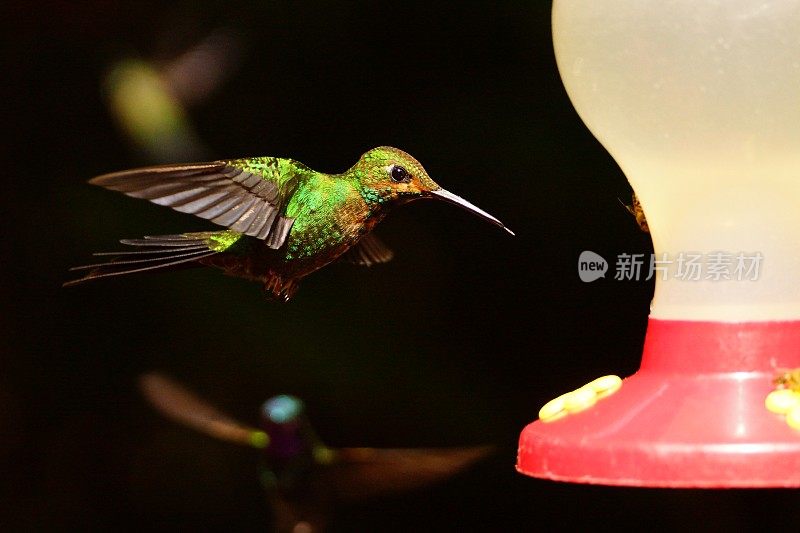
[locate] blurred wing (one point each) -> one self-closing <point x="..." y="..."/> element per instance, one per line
<point x="174" y="401"/>
<point x="369" y="251"/>
<point x="245" y="195"/>
<point x="359" y="473"/>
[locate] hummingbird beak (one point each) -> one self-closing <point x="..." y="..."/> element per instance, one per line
<point x="449" y="197"/>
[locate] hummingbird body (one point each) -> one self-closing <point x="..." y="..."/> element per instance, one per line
<point x="330" y="217"/>
<point x="284" y="219"/>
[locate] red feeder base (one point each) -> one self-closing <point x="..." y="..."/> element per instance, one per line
<point x="692" y="416"/>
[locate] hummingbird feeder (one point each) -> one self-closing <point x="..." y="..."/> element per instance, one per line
<point x="699" y="103"/>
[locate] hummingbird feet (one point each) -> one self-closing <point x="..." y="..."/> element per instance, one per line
<point x="279" y="289"/>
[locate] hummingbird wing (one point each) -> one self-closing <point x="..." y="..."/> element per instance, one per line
<point x="369" y="251"/>
<point x="360" y="473"/>
<point x="154" y="252"/>
<point x="175" y="401"/>
<point x="245" y="195"/>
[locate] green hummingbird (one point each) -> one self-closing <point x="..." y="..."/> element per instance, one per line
<point x="283" y="219"/>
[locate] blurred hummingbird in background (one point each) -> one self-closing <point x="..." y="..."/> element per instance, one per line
<point x="283" y="220"/>
<point x="305" y="480"/>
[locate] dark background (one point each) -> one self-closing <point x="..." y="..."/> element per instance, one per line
<point x="458" y="341"/>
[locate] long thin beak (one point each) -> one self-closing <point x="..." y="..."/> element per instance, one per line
<point x="449" y="197"/>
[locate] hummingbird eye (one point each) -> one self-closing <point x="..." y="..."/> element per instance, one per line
<point x="399" y="174"/>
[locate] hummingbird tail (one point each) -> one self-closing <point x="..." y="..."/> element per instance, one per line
<point x="156" y="253"/>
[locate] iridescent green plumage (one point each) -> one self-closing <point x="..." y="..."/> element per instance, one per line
<point x="284" y="219"/>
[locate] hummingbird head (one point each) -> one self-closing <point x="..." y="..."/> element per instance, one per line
<point x="388" y="175"/>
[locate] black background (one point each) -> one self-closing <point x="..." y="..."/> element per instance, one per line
<point x="458" y="341"/>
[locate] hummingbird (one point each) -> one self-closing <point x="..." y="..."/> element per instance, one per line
<point x="282" y="219"/>
<point x="304" y="479"/>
